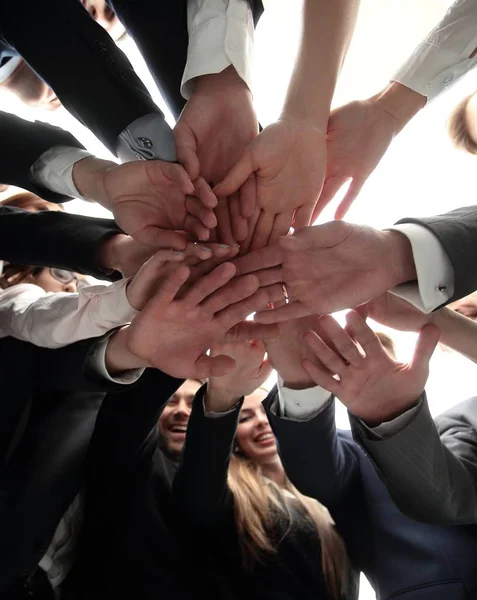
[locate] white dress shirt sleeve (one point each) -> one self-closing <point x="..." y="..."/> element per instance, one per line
<point x="435" y="276"/>
<point x="390" y="428"/>
<point x="221" y="34"/>
<point x="50" y="320"/>
<point x="301" y="405"/>
<point x="54" y="170"/>
<point x="97" y="362"/>
<point x="445" y="55"/>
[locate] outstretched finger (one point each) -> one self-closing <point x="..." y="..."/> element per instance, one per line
<point x="263" y="231"/>
<point x="186" y="150"/>
<point x="293" y="310"/>
<point x="196" y="208"/>
<point x="145" y="283"/>
<point x="340" y="340"/>
<point x="265" y="258"/>
<point x="321" y="377"/>
<point x="350" y="196"/>
<point x="207" y="285"/>
<point x="303" y="217"/>
<point x="364" y="335"/>
<point x="330" y="359"/>
<point x="238" y="222"/>
<point x="238" y="175"/>
<point x="235" y="291"/>
<point x="248" y="197"/>
<point x="281" y="226"/>
<point x="224" y="224"/>
<point x="160" y="238"/>
<point x="170" y="287"/>
<point x="193" y="226"/>
<point x="248" y="330"/>
<point x="178" y="175"/>
<point x="330" y="189"/>
<point x="204" y="192"/>
<point x="425" y="346"/>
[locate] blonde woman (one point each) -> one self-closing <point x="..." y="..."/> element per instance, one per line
<point x="264" y="538"/>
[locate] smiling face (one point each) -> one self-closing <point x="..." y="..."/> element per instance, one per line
<point x="174" y="418"/>
<point x="254" y="436"/>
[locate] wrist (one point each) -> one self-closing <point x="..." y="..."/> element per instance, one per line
<point x="118" y="358"/>
<point x="390" y="413"/>
<point x="88" y="176"/>
<point x="221" y="83"/>
<point x="398" y="102"/>
<point x="220" y="399"/>
<point x="401" y="257"/>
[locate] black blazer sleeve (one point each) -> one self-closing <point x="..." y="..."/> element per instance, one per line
<point x="76" y="57"/>
<point x="22" y="145"/>
<point x="54" y="239"/>
<point x="126" y="427"/>
<point x="200" y="487"/>
<point x="159" y="28"/>
<point x="457" y="232"/>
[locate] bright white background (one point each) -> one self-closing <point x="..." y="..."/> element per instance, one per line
<point x="421" y="173"/>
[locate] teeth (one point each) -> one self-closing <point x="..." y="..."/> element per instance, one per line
<point x="178" y="429"/>
<point x="265" y="436"/>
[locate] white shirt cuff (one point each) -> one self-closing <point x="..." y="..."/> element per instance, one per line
<point x="390" y="428"/>
<point x="98" y="364"/>
<point x="9" y="67"/>
<point x="301" y="405"/>
<point x="221" y="33"/>
<point x="54" y="169"/>
<point x="210" y="414"/>
<point x="435" y="276"/>
<point x="444" y="56"/>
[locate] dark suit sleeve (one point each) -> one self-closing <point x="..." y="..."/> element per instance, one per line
<point x="432" y="478"/>
<point x="22" y="145"/>
<point x="159" y="29"/>
<point x="457" y="232"/>
<point x="54" y="239"/>
<point x="316" y="459"/>
<point x="126" y="427"/>
<point x="75" y="56"/>
<point x="200" y="487"/>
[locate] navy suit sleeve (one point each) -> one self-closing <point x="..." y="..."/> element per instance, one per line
<point x="319" y="461"/>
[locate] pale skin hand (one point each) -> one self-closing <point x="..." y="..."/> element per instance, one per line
<point x="251" y="371"/>
<point x="149" y="199"/>
<point x="213" y="130"/>
<point x="288" y="159"/>
<point x="374" y="387"/>
<point x="330" y="267"/>
<point x="358" y="135"/>
<point x="175" y="329"/>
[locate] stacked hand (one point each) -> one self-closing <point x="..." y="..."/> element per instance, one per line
<point x="355" y="367"/>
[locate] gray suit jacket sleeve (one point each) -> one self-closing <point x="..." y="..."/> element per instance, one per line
<point x="432" y="478"/>
<point x="457" y="232"/>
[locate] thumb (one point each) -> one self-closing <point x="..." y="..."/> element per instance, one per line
<point x="237" y="176"/>
<point x="303" y="216"/>
<point x="426" y="344"/>
<point x="186" y="150"/>
<point x="301" y="240"/>
<point x="178" y="175"/>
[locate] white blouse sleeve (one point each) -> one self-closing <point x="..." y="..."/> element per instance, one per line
<point x="53" y="320"/>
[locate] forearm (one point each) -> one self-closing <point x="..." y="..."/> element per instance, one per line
<point x="457" y="332"/>
<point x="399" y="102"/>
<point x="327" y="31"/>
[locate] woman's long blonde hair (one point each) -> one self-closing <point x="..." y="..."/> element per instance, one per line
<point x="259" y="504"/>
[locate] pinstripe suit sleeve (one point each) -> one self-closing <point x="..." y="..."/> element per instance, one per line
<point x="432" y="478"/>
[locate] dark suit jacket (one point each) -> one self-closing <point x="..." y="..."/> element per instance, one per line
<point x="22" y="144"/>
<point x="49" y="405"/>
<point x="401" y="557"/>
<point x="54" y="239"/>
<point x="430" y="467"/>
<point x="457" y="232"/>
<point x="78" y="59"/>
<point x="159" y="28"/>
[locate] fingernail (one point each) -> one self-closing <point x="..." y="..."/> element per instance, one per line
<point x="224" y="246"/>
<point x="178" y="253"/>
<point x="206" y="248"/>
